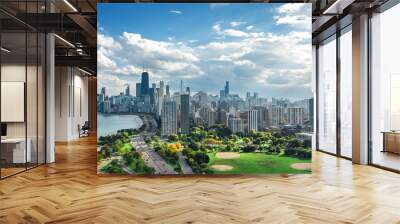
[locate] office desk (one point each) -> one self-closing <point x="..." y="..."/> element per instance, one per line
<point x="13" y="150"/>
<point x="391" y="141"/>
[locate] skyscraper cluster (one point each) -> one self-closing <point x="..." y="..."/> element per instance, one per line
<point x="177" y="111"/>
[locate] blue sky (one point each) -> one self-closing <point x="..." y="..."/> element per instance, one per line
<point x="257" y="47"/>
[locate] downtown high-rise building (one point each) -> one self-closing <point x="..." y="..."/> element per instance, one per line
<point x="295" y="115"/>
<point x="222" y="117"/>
<point x="169" y="118"/>
<point x="167" y="93"/>
<point x="252" y="120"/>
<point x="138" y="89"/>
<point x="188" y="90"/>
<point x="201" y="97"/>
<point x="185" y="114"/>
<point x="144" y="84"/>
<point x="103" y="90"/>
<point x="161" y="93"/>
<point x="262" y="117"/>
<point x="226" y="88"/>
<point x="276" y="116"/>
<point x="127" y="90"/>
<point x="235" y="125"/>
<point x="211" y="118"/>
<point x="310" y="105"/>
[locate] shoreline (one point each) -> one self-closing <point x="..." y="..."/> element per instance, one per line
<point x="138" y="120"/>
<point x="145" y="120"/>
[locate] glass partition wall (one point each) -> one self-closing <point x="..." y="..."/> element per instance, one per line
<point x="385" y="90"/>
<point x="327" y="96"/>
<point x="345" y="90"/>
<point x="334" y="106"/>
<point x="22" y="77"/>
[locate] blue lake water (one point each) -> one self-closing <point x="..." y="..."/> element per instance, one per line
<point x="111" y="123"/>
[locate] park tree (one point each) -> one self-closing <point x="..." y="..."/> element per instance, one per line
<point x="173" y="138"/>
<point x="201" y="157"/>
<point x="249" y="148"/>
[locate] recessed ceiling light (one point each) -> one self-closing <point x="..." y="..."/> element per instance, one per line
<point x="5" y="50"/>
<point x="64" y="40"/>
<point x="84" y="71"/>
<point x="70" y="5"/>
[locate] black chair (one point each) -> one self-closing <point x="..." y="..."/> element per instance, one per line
<point x="84" y="130"/>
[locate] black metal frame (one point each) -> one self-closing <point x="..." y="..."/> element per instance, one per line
<point x="338" y="152"/>
<point x="389" y="4"/>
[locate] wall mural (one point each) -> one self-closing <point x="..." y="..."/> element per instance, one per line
<point x="204" y="88"/>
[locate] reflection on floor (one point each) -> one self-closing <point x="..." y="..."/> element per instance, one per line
<point x="8" y="170"/>
<point x="387" y="159"/>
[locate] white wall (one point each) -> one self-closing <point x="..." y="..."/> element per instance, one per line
<point x="71" y="103"/>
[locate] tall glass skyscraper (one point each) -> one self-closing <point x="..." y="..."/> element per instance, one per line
<point x="145" y="83"/>
<point x="185" y="110"/>
<point x="226" y="88"/>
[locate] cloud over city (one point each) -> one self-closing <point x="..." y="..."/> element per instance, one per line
<point x="249" y="55"/>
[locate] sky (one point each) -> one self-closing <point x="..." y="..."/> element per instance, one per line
<point x="263" y="48"/>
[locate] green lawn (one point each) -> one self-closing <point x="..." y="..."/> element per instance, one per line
<point x="258" y="163"/>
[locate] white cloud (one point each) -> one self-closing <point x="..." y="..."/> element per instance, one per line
<point x="253" y="61"/>
<point x="217" y="5"/>
<point x="235" y="23"/>
<point x="295" y="15"/>
<point x="216" y="27"/>
<point x="176" y="11"/>
<point x="228" y="32"/>
<point x="234" y="33"/>
<point x="249" y="27"/>
<point x="291" y="7"/>
<point x="293" y="20"/>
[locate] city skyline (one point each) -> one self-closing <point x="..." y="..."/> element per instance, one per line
<point x="177" y="110"/>
<point x="133" y="92"/>
<point x="262" y="52"/>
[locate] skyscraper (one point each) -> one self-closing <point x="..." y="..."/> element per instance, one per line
<point x="138" y="89"/>
<point x="227" y="88"/>
<point x="103" y="91"/>
<point x="161" y="88"/>
<point x="295" y="115"/>
<point x="185" y="110"/>
<point x="188" y="90"/>
<point x="151" y="93"/>
<point x="255" y="95"/>
<point x="252" y="120"/>
<point x="168" y="118"/>
<point x="222" y="93"/>
<point x="127" y="90"/>
<point x="167" y="90"/>
<point x="211" y="118"/>
<point x="145" y="83"/>
<point x="222" y="117"/>
<point x="275" y="116"/>
<point x="310" y="105"/>
<point x="235" y="124"/>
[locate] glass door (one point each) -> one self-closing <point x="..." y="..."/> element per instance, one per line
<point x="346" y="92"/>
<point x="385" y="89"/>
<point x="327" y="96"/>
